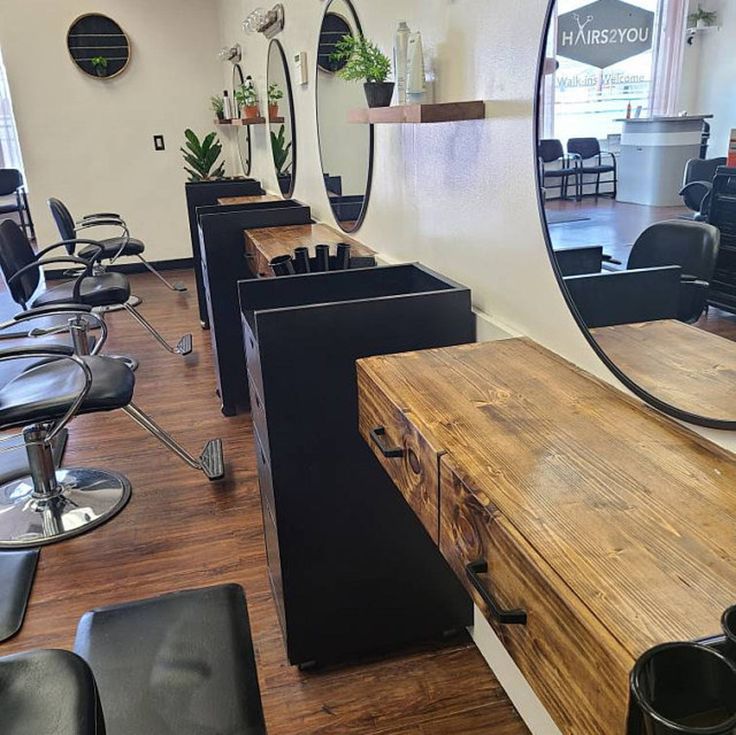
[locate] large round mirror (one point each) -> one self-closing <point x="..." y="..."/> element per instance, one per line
<point x="346" y="149"/>
<point x="242" y="131"/>
<point x="631" y="143"/>
<point x="282" y="127"/>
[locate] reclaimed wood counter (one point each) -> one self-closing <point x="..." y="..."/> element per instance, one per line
<point x="683" y="365"/>
<point x="597" y="527"/>
<point x="254" y="199"/>
<point x="262" y="245"/>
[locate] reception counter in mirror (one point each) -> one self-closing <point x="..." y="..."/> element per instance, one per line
<point x="346" y="150"/>
<point x="647" y="272"/>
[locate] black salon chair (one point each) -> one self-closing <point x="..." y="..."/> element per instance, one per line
<point x="48" y="692"/>
<point x="11" y="184"/>
<point x="550" y="150"/>
<point x="698" y="184"/>
<point x="588" y="149"/>
<point x="113" y="247"/>
<point x="22" y="271"/>
<point x="691" y="245"/>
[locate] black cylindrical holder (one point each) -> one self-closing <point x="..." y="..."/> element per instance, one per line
<point x="301" y="260"/>
<point x="323" y="258"/>
<point x="682" y="689"/>
<point x="342" y="260"/>
<point x="282" y="265"/>
<point x="728" y="624"/>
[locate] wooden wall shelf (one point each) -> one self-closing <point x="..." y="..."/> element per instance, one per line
<point x="238" y="122"/>
<point x="436" y="113"/>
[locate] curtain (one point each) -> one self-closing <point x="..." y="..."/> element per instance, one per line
<point x="668" y="55"/>
<point x="10" y="156"/>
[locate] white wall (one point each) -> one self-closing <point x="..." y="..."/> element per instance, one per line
<point x="460" y="198"/>
<point x="90" y="142"/>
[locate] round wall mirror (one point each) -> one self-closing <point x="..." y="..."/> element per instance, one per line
<point x="281" y="122"/>
<point x="346" y="149"/>
<point x="242" y="132"/>
<point x="636" y="202"/>
<point x="98" y="46"/>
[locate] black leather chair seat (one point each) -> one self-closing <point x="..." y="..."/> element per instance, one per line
<point x="602" y="169"/>
<point x="100" y="290"/>
<point x="557" y="172"/>
<point x="111" y="246"/>
<point x="46" y="390"/>
<point x="46" y="692"/>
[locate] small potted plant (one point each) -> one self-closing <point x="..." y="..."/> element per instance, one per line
<point x="218" y="107"/>
<point x="99" y="64"/>
<point x="202" y="157"/>
<point x="364" y="61"/>
<point x="281" y="150"/>
<point x="247" y="97"/>
<point x="703" y="18"/>
<point x="275" y="93"/>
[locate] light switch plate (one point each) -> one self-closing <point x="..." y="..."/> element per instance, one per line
<point x="158" y="143"/>
<point x="300" y="68"/>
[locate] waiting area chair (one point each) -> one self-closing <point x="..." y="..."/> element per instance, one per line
<point x="113" y="247"/>
<point x="11" y="184"/>
<point x="22" y="271"/>
<point x="549" y="151"/>
<point x="698" y="185"/>
<point x="582" y="150"/>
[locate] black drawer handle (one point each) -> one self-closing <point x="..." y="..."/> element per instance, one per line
<point x="506" y="617"/>
<point x="377" y="436"/>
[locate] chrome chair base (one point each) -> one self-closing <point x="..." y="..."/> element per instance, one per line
<point x="85" y="498"/>
<point x="132" y="301"/>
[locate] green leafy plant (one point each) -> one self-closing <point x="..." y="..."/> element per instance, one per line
<point x="99" y="64"/>
<point x="365" y="61"/>
<point x="275" y="93"/>
<point x="281" y="150"/>
<point x="203" y="157"/>
<point x="218" y="105"/>
<point x="246" y="95"/>
<point x="706" y="17"/>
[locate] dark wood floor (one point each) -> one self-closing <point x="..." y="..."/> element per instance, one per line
<point x="180" y="531"/>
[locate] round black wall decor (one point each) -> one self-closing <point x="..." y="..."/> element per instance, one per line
<point x="98" y="46"/>
<point x="334" y="27"/>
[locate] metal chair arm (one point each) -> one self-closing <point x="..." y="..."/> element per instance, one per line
<point x="44" y="313"/>
<point x="50" y="261"/>
<point x="55" y="353"/>
<point x="74" y="241"/>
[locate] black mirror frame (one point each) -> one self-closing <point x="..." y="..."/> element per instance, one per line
<point x="245" y="129"/>
<point x="634" y="387"/>
<point x="371" y="144"/>
<point x="275" y="43"/>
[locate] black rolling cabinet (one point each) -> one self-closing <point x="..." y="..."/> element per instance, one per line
<point x="200" y="194"/>
<point x="351" y="566"/>
<point x="224" y="263"/>
<point x="722" y="214"/>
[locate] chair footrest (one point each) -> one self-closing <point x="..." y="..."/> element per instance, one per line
<point x="180" y="664"/>
<point x="212" y="460"/>
<point x="180" y="287"/>
<point x="184" y="347"/>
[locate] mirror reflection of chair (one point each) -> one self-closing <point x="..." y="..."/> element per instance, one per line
<point x="550" y="150"/>
<point x="22" y="270"/>
<point x="11" y="184"/>
<point x="112" y="247"/>
<point x="587" y="149"/>
<point x="698" y="184"/>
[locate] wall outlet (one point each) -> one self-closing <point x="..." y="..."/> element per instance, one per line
<point x="300" y="68"/>
<point x="158" y="143"/>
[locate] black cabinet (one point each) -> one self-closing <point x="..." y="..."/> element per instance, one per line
<point x="722" y="292"/>
<point x="223" y="264"/>
<point x="200" y="194"/>
<point x="352" y="568"/>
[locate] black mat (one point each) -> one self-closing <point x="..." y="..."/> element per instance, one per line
<point x="17" y="569"/>
<point x="14" y="462"/>
<point x="180" y="664"/>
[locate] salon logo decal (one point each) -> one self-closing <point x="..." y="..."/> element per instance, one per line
<point x="604" y="33"/>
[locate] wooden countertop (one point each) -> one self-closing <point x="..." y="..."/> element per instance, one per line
<point x="635" y="514"/>
<point x="252" y="199"/>
<point x="264" y="244"/>
<point x="688" y="367"/>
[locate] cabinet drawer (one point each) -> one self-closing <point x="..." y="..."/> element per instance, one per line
<point x="252" y="357"/>
<point x="408" y="458"/>
<point x="265" y="477"/>
<point x="273" y="556"/>
<point x="576" y="668"/>
<point x="258" y="415"/>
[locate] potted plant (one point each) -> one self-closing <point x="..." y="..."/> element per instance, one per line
<point x="247" y="97"/>
<point x="275" y="93"/>
<point x="703" y="18"/>
<point x="281" y="149"/>
<point x="218" y="107"/>
<point x="365" y="61"/>
<point x="99" y="64"/>
<point x="203" y="157"/>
